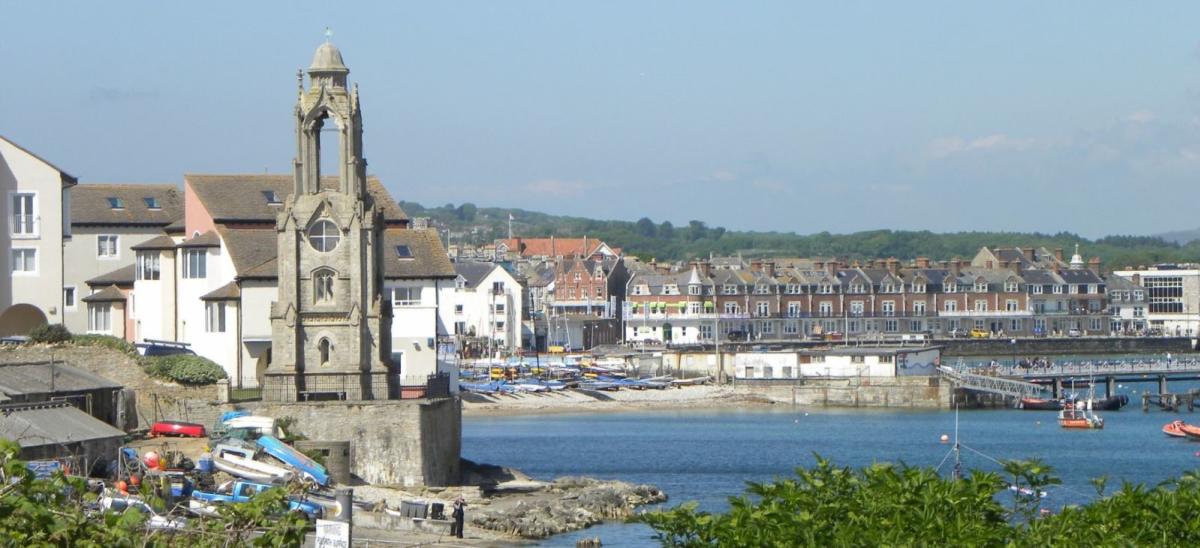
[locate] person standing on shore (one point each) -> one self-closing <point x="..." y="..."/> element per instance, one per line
<point x="459" y="516"/>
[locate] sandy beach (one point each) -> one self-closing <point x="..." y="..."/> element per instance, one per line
<point x="581" y="401"/>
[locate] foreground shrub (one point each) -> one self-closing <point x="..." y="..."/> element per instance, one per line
<point x="50" y="334"/>
<point x="106" y="341"/>
<point x="184" y="369"/>
<point x="886" y="505"/>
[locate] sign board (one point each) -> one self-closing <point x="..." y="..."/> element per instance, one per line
<point x="332" y="534"/>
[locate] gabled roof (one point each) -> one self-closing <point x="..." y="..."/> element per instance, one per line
<point x="155" y="243"/>
<point x="67" y="178"/>
<point x="427" y="258"/>
<point x="208" y="239"/>
<point x="249" y="248"/>
<point x="239" y="198"/>
<point x="227" y="292"/>
<point x="556" y="247"/>
<point x="91" y="204"/>
<point x="121" y="277"/>
<point x="110" y="294"/>
<point x="473" y="272"/>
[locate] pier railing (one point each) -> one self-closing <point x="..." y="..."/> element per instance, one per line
<point x="991" y="384"/>
<point x="1097" y="369"/>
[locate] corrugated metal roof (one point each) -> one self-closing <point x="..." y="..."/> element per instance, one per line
<point x="35" y="378"/>
<point x="31" y="425"/>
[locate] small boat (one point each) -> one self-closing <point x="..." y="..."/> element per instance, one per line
<point x="1174" y="429"/>
<point x="599" y="385"/>
<point x="1111" y="403"/>
<point x="249" y="469"/>
<point x="177" y="428"/>
<point x="1039" y="404"/>
<point x="291" y="457"/>
<point x="1078" y="417"/>
<point x="1190" y="430"/>
<point x="691" y="382"/>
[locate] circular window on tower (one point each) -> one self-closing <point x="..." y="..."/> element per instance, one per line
<point x="323" y="235"/>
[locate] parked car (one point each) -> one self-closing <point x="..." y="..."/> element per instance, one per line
<point x="980" y="334"/>
<point x="162" y="348"/>
<point x="1074" y="333"/>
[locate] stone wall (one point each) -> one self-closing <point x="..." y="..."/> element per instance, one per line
<point x="908" y="392"/>
<point x="396" y="442"/>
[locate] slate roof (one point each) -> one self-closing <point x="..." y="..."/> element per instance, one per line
<point x="90" y="204"/>
<point x="110" y="294"/>
<point x="249" y="248"/>
<point x="227" y="292"/>
<point x="473" y="272"/>
<point x="120" y="276"/>
<point x="239" y="197"/>
<point x="176" y="227"/>
<point x="155" y="243"/>
<point x="20" y="379"/>
<point x="34" y="425"/>
<point x="208" y="239"/>
<point x="429" y="258"/>
<point x="1080" y="276"/>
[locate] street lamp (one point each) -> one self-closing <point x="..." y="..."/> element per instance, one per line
<point x="1013" y="344"/>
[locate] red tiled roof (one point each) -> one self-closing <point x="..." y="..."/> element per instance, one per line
<point x="555" y="247"/>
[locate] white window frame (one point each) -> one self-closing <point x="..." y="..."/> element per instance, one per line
<point x="693" y="289"/>
<point x="100" y="311"/>
<point x="729" y="289"/>
<point x="189" y="270"/>
<point x="108" y="247"/>
<point x="34" y="215"/>
<point x="793" y="310"/>
<point x="950" y="306"/>
<point x="1011" y="287"/>
<point x="981" y="305"/>
<point x="148" y="261"/>
<point x="1037" y="289"/>
<point x="404" y="296"/>
<point x="918" y="308"/>
<point x="856" y="308"/>
<point x="214" y="317"/>
<point x="889" y="309"/>
<point x="22" y="250"/>
<point x="825" y="309"/>
<point x="762" y="309"/>
<point x="1011" y="305"/>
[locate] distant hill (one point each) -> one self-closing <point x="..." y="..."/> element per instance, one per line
<point x="1181" y="237"/>
<point x="468" y="223"/>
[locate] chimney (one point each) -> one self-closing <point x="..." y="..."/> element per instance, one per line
<point x="706" y="269"/>
<point x="552" y="250"/>
<point x="831" y="267"/>
<point x="1029" y="254"/>
<point x="1058" y="253"/>
<point x="769" y="266"/>
<point x="1094" y="265"/>
<point x="1137" y="279"/>
<point x="956" y="267"/>
<point x="583" y="253"/>
<point x="893" y="266"/>
<point x="818" y="264"/>
<point x="756" y="265"/>
<point x="922" y="262"/>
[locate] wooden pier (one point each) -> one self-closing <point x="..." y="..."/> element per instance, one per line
<point x="1171" y="402"/>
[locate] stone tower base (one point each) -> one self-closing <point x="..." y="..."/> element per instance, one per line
<point x="285" y="387"/>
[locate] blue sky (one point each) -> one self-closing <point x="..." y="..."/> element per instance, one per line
<point x="791" y="116"/>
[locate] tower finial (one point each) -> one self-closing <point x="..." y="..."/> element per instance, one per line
<point x="300" y="80"/>
<point x="328" y="34"/>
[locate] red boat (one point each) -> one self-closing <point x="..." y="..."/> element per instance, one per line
<point x="1190" y="430"/>
<point x="1172" y="429"/>
<point x="177" y="428"/>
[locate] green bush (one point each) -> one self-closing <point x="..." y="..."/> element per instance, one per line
<point x="184" y="369"/>
<point x="107" y="341"/>
<point x="50" y="333"/>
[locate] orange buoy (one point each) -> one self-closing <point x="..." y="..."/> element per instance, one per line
<point x="122" y="487"/>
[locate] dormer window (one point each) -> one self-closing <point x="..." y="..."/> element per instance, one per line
<point x="887" y="288"/>
<point x="272" y="197"/>
<point x="152" y="203"/>
<point x="670" y="289"/>
<point x="729" y="289"/>
<point x="762" y="289"/>
<point x="1011" y="286"/>
<point x="826" y="289"/>
<point x="116" y="203"/>
<point x="403" y="252"/>
<point x="951" y="287"/>
<point x="578" y="277"/>
<point x="856" y="288"/>
<point x="981" y="287"/>
<point x="693" y="289"/>
<point x="918" y="287"/>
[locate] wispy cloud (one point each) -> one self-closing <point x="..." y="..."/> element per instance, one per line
<point x="949" y="146"/>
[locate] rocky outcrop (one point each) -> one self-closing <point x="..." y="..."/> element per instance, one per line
<point x="567" y="504"/>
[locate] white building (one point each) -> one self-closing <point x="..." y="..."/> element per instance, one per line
<point x="107" y="220"/>
<point x="488" y="305"/>
<point x="838" y="363"/>
<point x="37" y="212"/>
<point x="1172" y="297"/>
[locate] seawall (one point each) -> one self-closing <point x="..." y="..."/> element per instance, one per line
<point x="890" y="392"/>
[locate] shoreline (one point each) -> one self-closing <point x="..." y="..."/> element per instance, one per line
<point x="587" y="401"/>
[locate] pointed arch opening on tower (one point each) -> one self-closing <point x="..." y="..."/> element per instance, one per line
<point x="324" y="351"/>
<point x="323" y="280"/>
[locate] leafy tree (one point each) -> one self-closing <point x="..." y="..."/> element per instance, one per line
<point x="646" y="227"/>
<point x="666" y="230"/>
<point x="52" y="333"/>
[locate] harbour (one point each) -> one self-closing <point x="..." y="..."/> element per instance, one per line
<point x="707" y="455"/>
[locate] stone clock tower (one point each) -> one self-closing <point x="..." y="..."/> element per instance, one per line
<point x="330" y="328"/>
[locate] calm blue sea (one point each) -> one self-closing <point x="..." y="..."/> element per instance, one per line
<point x="707" y="456"/>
